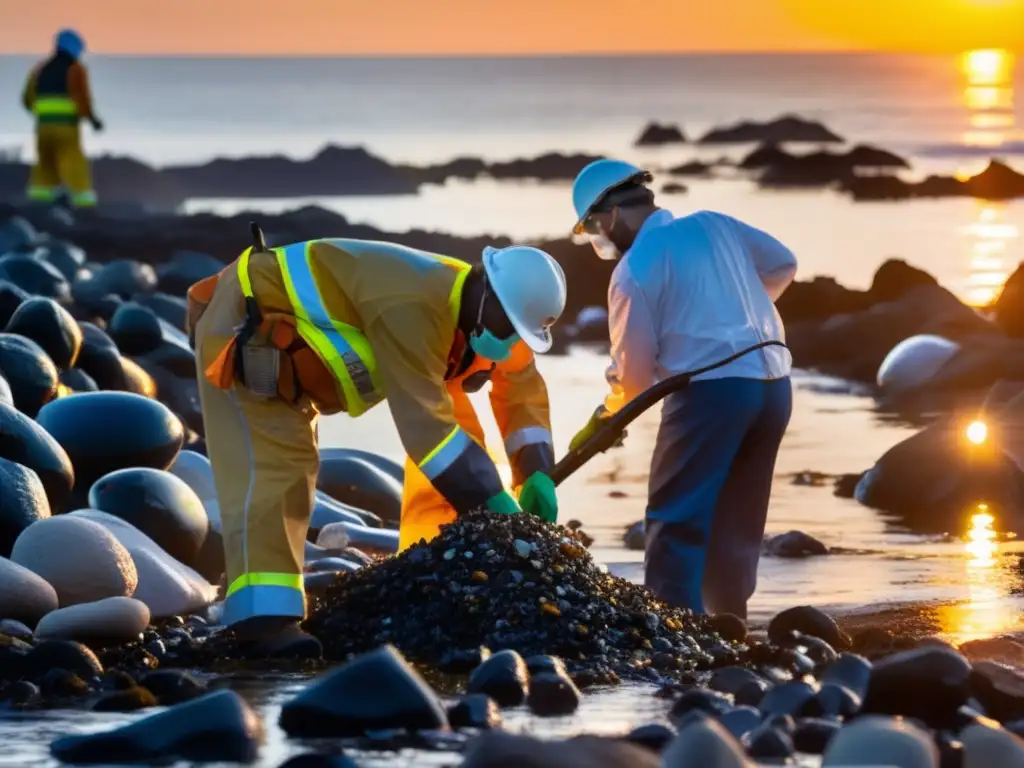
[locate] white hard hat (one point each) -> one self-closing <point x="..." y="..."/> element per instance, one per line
<point x="530" y="285"/>
<point x="596" y="180"/>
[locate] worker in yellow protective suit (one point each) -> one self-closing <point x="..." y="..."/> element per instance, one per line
<point x="57" y="93"/>
<point x="330" y="326"/>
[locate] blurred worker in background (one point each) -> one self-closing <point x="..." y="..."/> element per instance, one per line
<point x="330" y="326"/>
<point x="57" y="93"/>
<point x="688" y="292"/>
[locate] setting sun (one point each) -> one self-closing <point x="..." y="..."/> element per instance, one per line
<point x="987" y="67"/>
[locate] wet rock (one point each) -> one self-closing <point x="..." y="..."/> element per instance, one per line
<point x="1009" y="308"/>
<point x="741" y="721"/>
<point x="986" y="745"/>
<point x="135" y="329"/>
<point x="184" y="269"/>
<point x="813" y="735"/>
<point x="172" y="686"/>
<point x="787" y="699"/>
<point x="999" y="688"/>
<point x="633" y="538"/>
<point x="35" y="277"/>
<point x="503" y="677"/>
<point x="731" y="628"/>
<point x="219" y="727"/>
<point x="320" y="760"/>
<point x="461" y="662"/>
<point x="167" y="586"/>
<point x="806" y="620"/>
<point x="128" y="700"/>
<point x="24" y="595"/>
<point x="770" y="744"/>
<point x="355" y="481"/>
<point x="136" y="379"/>
<point x="833" y="700"/>
<point x="67" y="258"/>
<point x="78" y="380"/>
<point x="930" y="683"/>
<point x="22" y="502"/>
<point x="850" y="671"/>
<point x="782" y="130"/>
<point x="91" y="564"/>
<point x="171" y="309"/>
<point x="497" y="749"/>
<point x="711" y="702"/>
<point x="11" y="297"/>
<point x="378" y="690"/>
<point x="6" y="396"/>
<point x="730" y="680"/>
<point x="100" y="358"/>
<point x="475" y="711"/>
<point x="13" y="627"/>
<point x="656" y="134"/>
<point x="653" y="736"/>
<point x="552" y="694"/>
<point x="329" y="513"/>
<point x="195" y="470"/>
<point x="31" y="375"/>
<point x="882" y="741"/>
<point x="23" y="441"/>
<point x="62" y="684"/>
<point x="49" y="325"/>
<point x="752" y="693"/>
<point x="23" y="692"/>
<point x="62" y="654"/>
<point x="112" y="621"/>
<point x="704" y="743"/>
<point x="125" y="278"/>
<point x="157" y="503"/>
<point x="16" y="234"/>
<point x="137" y="432"/>
<point x="794" y="544"/>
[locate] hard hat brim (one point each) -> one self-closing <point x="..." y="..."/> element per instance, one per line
<point x="644" y="176"/>
<point x="539" y="341"/>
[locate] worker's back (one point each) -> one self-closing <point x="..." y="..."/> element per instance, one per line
<point x="702" y="277"/>
<point x="57" y="90"/>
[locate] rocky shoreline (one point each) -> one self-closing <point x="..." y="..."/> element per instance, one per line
<point x="864" y="173"/>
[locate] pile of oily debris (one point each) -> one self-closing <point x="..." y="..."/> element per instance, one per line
<point x="512" y="582"/>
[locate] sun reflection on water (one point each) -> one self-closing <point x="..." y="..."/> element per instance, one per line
<point x="981" y="539"/>
<point x="991" y="236"/>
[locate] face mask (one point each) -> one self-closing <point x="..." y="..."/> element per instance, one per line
<point x="604" y="248"/>
<point x="490" y="347"/>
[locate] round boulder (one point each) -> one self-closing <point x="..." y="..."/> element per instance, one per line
<point x="157" y="503"/>
<point x="125" y="278"/>
<point x="82" y="560"/>
<point x="6" y="396"/>
<point x="11" y="297"/>
<point x="184" y="269"/>
<point x="356" y="481"/>
<point x="30" y="372"/>
<point x="34" y="276"/>
<point x="50" y="326"/>
<point x="22" y="502"/>
<point x="136" y="432"/>
<point x="171" y="309"/>
<point x="24" y="595"/>
<point x="913" y="362"/>
<point x="23" y="441"/>
<point x="67" y="258"/>
<point x="137" y="380"/>
<point x="111" y="621"/>
<point x="100" y="358"/>
<point x="78" y="380"/>
<point x="16" y="234"/>
<point x="135" y="329"/>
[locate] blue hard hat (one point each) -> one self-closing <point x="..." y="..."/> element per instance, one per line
<point x="71" y="43"/>
<point x="596" y="180"/>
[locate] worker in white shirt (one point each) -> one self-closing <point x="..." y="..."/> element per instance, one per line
<point x="688" y="292"/>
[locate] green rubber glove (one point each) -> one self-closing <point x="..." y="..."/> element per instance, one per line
<point x="538" y="498"/>
<point x="504" y="504"/>
<point x="592" y="428"/>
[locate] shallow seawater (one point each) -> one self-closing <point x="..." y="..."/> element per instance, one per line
<point x="972" y="570"/>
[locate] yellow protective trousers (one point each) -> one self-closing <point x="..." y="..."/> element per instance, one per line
<point x="60" y="163"/>
<point x="424" y="509"/>
<point x="265" y="461"/>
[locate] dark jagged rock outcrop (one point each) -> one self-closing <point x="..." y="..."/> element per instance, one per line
<point x="657" y="134"/>
<point x="1009" y="309"/>
<point x="779" y="168"/>
<point x="997" y="182"/>
<point x="788" y="128"/>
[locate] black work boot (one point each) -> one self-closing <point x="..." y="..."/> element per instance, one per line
<point x="276" y="638"/>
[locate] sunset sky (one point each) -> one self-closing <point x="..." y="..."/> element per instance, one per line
<point x="504" y="27"/>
